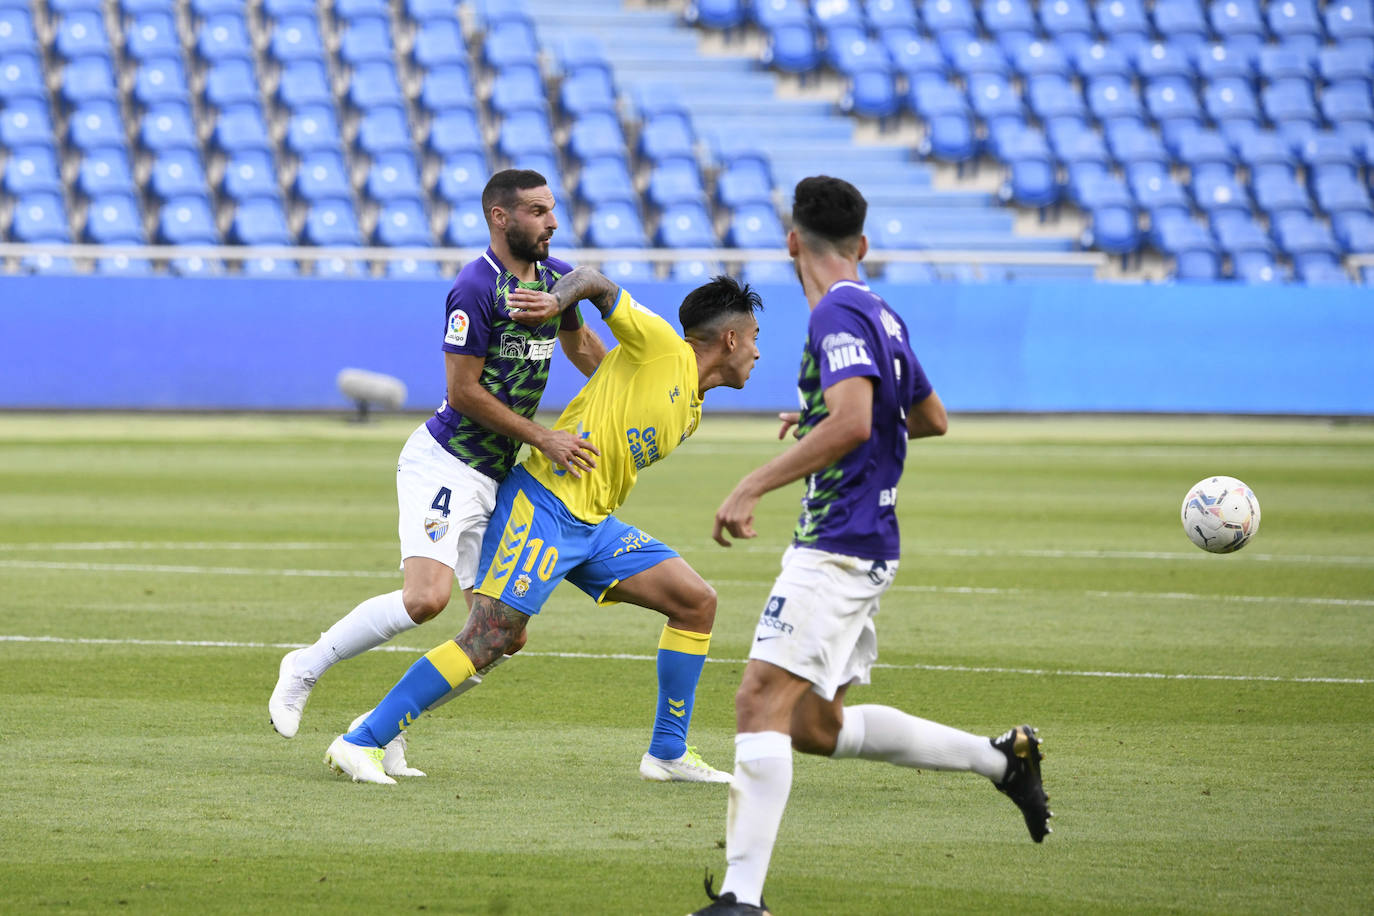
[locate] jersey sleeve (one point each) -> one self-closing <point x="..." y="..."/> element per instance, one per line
<point x="467" y="319"/>
<point x="844" y="344"/>
<point x="641" y="334"/>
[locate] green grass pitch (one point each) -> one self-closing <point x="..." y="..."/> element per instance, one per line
<point x="1207" y="719"/>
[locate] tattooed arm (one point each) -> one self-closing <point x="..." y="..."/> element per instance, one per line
<point x="535" y="307"/>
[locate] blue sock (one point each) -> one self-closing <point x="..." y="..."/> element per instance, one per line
<point x="433" y="675"/>
<point x="681" y="656"/>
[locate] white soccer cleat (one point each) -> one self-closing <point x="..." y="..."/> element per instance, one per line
<point x="363" y="764"/>
<point x="687" y="768"/>
<point x="289" y="696"/>
<point x="394" y="754"/>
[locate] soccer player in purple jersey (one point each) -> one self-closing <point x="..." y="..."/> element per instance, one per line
<point x="864" y="394"/>
<point x="449" y="469"/>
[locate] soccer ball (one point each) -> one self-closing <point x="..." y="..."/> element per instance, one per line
<point x="1220" y="514"/>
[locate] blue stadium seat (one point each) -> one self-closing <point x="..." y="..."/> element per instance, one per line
<point x="675" y="181"/>
<point x="153" y="35"/>
<point x="1349" y="62"/>
<point x="976" y="57"/>
<point x="1111" y="97"/>
<point x="403" y="223"/>
<point x="510" y="44"/>
<point x="1230" y="99"/>
<point x="462" y="175"/>
<point x="322" y="176"/>
<point x="1302" y="236"/>
<point x="597" y="135"/>
<point x="667" y="136"/>
<point x="205" y="9"/>
<point x="1340" y="193"/>
<point x="104" y="172"/>
<point x="1217" y="190"/>
<point x="1354" y="231"/>
<point x="196" y="267"/>
<point x="1181" y="21"/>
<point x="1032" y="181"/>
<point x="366" y="39"/>
<point x="576" y="51"/>
<point x="1290" y="101"/>
<point x="884" y="15"/>
<point x="586" y="91"/>
<point x="1160" y="194"/>
<point x="224" y="35"/>
<point x="48" y="265"/>
<point x="1277" y="191"/>
<point x="161" y="79"/>
<point x="338" y="268"/>
<point x="311" y="129"/>
<point x="1204" y="147"/>
<point x="1347" y="103"/>
<point x="238" y="129"/>
<point x="16" y="32"/>
<point x="121" y="265"/>
<point x="1280" y="62"/>
<point x="769" y="14"/>
<point x="1294" y="19"/>
<point x="1192" y="247"/>
<point x="1132" y="143"/>
<point x="685" y="225"/>
<point x="81" y="34"/>
<point x="1243" y="236"/>
<point x="517" y="89"/>
<point x="606" y="181"/>
<point x="40" y="218"/>
<point x="250" y="174"/>
<point x="723" y="15"/>
<point x="187" y="221"/>
<point x="694" y="272"/>
<point x="1002" y="17"/>
<point x="1157" y="60"/>
<point x="177" y="173"/>
<point x="1095" y="60"/>
<point x="445" y="88"/>
<point x="384" y="130"/>
<point x="628" y="272"/>
<point x="21" y="77"/>
<point x="949" y="16"/>
<point x="467" y="226"/>
<point x="439" y="43"/>
<point x="1230" y="18"/>
<point x="1038" y="58"/>
<point x="375" y="84"/>
<point x="456" y="131"/>
<point x="280" y="9"/>
<point x="32" y="170"/>
<point x="616" y="225"/>
<point x="1052" y="96"/>
<point x="915" y="56"/>
<point x="93" y="126"/>
<point x="755" y="226"/>
<point x="297" y="38"/>
<point x="114" y="219"/>
<point x="1123" y="22"/>
<point x="88" y="79"/>
<point x="744" y="183"/>
<point x="1328" y="150"/>
<point x="303" y="82"/>
<point x="1113" y="229"/>
<point x="792" y="49"/>
<point x="393" y="176"/>
<point x="854" y="53"/>
<point x="1349" y="19"/>
<point x="331" y="223"/>
<point x="1068" y="22"/>
<point x="994" y="99"/>
<point x="1100" y="190"/>
<point x="270" y="267"/>
<point x="355" y="9"/>
<point x="526" y="133"/>
<point x="411" y="269"/>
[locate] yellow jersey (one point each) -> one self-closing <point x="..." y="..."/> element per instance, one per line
<point x="637" y="407"/>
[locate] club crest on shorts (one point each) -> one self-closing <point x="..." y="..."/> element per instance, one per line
<point x="436" y="526"/>
<point x="521" y="586"/>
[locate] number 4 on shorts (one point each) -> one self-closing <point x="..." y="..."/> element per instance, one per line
<point x="441" y="500"/>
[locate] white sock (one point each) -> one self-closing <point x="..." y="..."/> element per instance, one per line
<point x="890" y="735"/>
<point x="368" y="625"/>
<point x="758" y="796"/>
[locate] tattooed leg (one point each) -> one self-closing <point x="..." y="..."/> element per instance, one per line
<point x="493" y="631"/>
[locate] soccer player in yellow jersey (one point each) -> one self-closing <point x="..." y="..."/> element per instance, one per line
<point x="643" y="401"/>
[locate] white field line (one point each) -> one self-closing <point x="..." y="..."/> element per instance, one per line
<point x="624" y="656"/>
<point x="1195" y="556"/>
<point x="173" y="569"/>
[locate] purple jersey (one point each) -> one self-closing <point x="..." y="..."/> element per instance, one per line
<point x="850" y="507"/>
<point x="477" y="323"/>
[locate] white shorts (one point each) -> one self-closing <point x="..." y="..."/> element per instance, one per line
<point x="818" y="622"/>
<point x="444" y="506"/>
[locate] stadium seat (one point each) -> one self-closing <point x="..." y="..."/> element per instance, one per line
<point x="296" y="38"/>
<point x="94" y="125"/>
<point x="744" y="183"/>
<point x="1340" y="193"/>
<point x="393" y="176"/>
<point x="586" y="91"/>
<point x="322" y="175"/>
<point x="1113" y="229"/>
<point x="312" y="129"/>
<point x="667" y="136"/>
<point x="872" y="94"/>
<point x="685" y="225"/>
<point x="1052" y="96"/>
<point x="615" y="225"/>
<point x="518" y="89"/>
<point x="270" y="267"/>
<point x="260" y="221"/>
<point x="467" y="227"/>
<point x="446" y="88"/>
<point x="33" y="170"/>
<point x="606" y="181"/>
<point x="160" y="80"/>
<point x="1232" y="18"/>
<point x="196" y="267"/>
<point x="1161" y="196"/>
<point x="81" y="34"/>
<point x="153" y="35"/>
<point x="915" y="56"/>
<point x="1350" y="62"/>
<point x="769" y="14"/>
<point x="331" y="223"/>
<point x="105" y="172"/>
<point x="123" y="266"/>
<point x="250" y="174"/>
<point x="625" y="272"/>
<point x="356" y="9"/>
<point x="88" y="79"/>
<point x="792" y="49"/>
<point x="462" y="175"/>
<point x="1346" y="103"/>
<point x="114" y="219"/>
<point x="366" y="39"/>
<point x="1329" y="150"/>
<point x="411" y="269"/>
<point x="526" y="133"/>
<point x="187" y="221"/>
<point x="1038" y="58"/>
<point x="280" y="9"/>
<point x="1264" y="148"/>
<point x="224" y="35"/>
<point x="48" y="265"/>
<point x="694" y="272"/>
<point x="303" y="82"/>
<point x="40" y="218"/>
<point x="456" y="131"/>
<point x="1068" y="22"/>
<point x="889" y="14"/>
<point x="384" y="130"/>
<point x="208" y="8"/>
<point x="675" y="181"/>
<point x="1281" y="62"/>
<point x="403" y="224"/>
<point x="595" y="136"/>
<point x="16" y="32"/>
<point x="177" y="173"/>
<point x="1220" y="61"/>
<point x="723" y="15"/>
<point x="995" y="100"/>
<point x="238" y="129"/>
<point x="439" y="43"/>
<point x="1230" y="99"/>
<point x="375" y="84"/>
<point x="755" y="226"/>
<point x="21" y="77"/>
<point x="1277" y="191"/>
<point x="510" y="44"/>
<point x="1349" y="19"/>
<point x="1354" y="231"/>
<point x="1111" y="98"/>
<point x="1131" y="143"/>
<point x="1123" y="22"/>
<point x="1216" y="190"/>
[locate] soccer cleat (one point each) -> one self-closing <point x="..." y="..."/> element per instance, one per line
<point x="363" y="764"/>
<point x="394" y="754"/>
<point x="289" y="696"/>
<point x="725" y="904"/>
<point x="687" y="768"/>
<point x="1022" y="783"/>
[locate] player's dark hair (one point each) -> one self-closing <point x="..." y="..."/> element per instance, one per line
<point x="505" y="186"/>
<point x="828" y="208"/>
<point x="711" y="303"/>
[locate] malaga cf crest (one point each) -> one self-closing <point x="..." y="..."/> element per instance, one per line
<point x="436" y="526"/>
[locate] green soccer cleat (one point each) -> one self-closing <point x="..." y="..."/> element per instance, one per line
<point x="362" y="764"/>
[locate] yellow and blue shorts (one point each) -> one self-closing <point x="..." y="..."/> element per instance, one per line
<point x="533" y="542"/>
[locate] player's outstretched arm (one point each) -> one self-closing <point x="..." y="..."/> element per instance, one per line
<point x="536" y="307"/>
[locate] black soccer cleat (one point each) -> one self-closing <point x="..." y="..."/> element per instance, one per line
<point x="727" y="905"/>
<point x="1022" y="783"/>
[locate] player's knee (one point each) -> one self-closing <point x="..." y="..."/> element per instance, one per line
<point x="425" y="602"/>
<point x="811" y="735"/>
<point x="700" y="612"/>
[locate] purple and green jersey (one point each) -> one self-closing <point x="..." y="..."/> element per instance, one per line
<point x="850" y="507"/>
<point x="477" y="323"/>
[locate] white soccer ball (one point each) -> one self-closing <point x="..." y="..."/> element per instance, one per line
<point x="1220" y="514"/>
